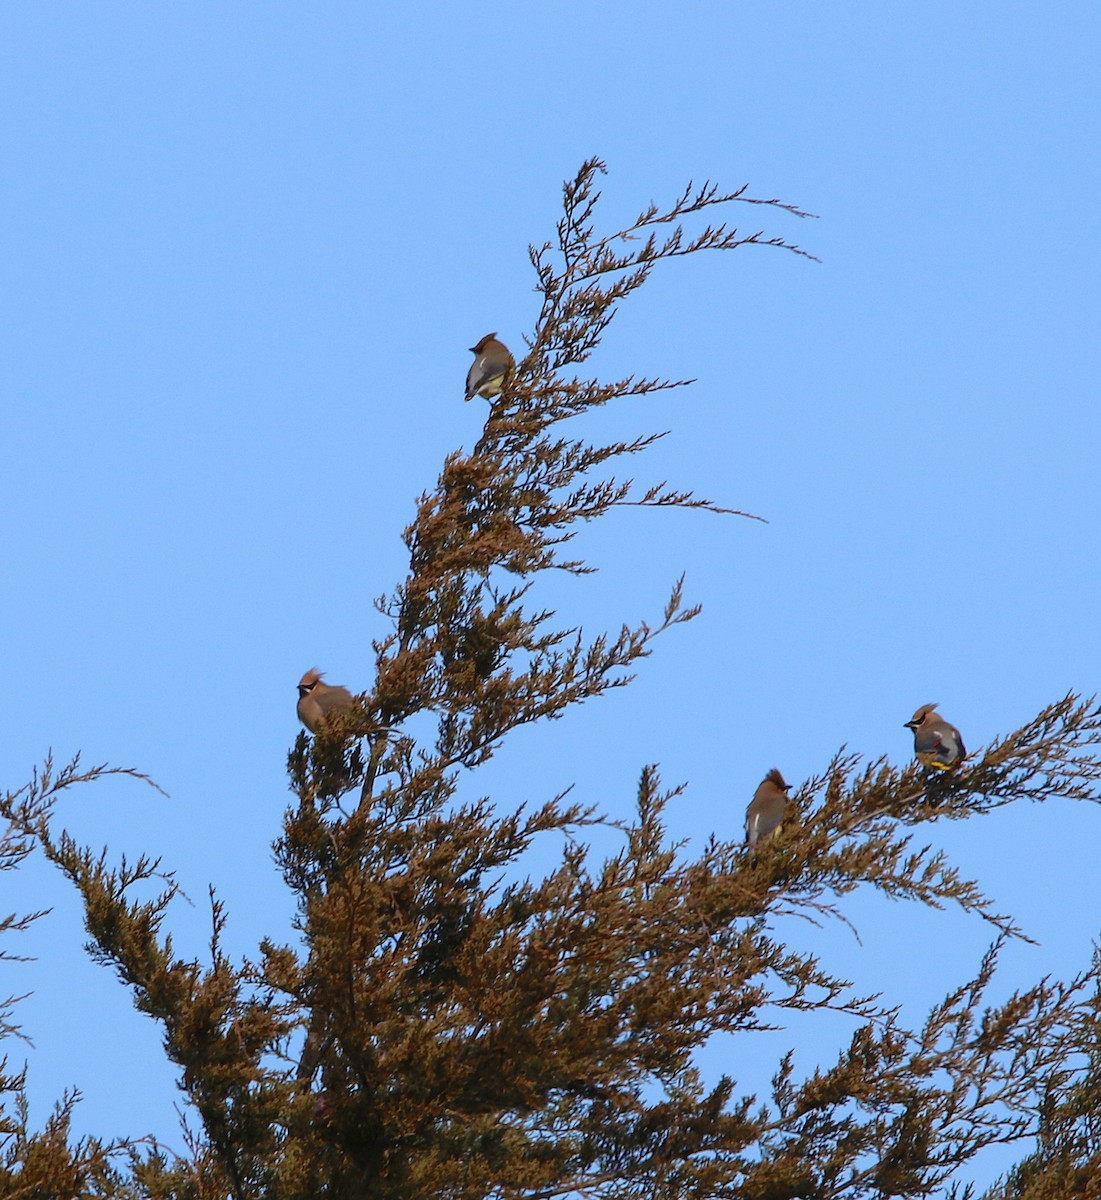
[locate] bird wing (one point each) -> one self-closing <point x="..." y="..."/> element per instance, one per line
<point x="928" y="740"/>
<point x="333" y="700"/>
<point x="480" y="372"/>
<point x="942" y="741"/>
<point x="472" y="379"/>
<point x="766" y="815"/>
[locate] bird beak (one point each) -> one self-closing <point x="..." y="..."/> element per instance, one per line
<point x="910" y="725"/>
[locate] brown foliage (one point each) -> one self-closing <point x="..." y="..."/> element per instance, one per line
<point x="447" y="1026"/>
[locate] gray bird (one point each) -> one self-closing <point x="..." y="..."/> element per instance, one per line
<point x="767" y="809"/>
<point x="491" y="369"/>
<point x="318" y="701"/>
<point x="936" y="743"/>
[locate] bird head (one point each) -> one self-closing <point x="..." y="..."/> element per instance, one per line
<point x="477" y="349"/>
<point x="922" y="714"/>
<point x="309" y="681"/>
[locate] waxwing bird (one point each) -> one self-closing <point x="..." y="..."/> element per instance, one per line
<point x="491" y="369"/>
<point x="767" y="809"/>
<point x="936" y="742"/>
<point x="317" y="701"/>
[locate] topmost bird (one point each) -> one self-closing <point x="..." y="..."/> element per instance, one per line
<point x="936" y="742"/>
<point x="491" y="369"/>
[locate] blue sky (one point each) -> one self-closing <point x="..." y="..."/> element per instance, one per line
<point x="244" y="248"/>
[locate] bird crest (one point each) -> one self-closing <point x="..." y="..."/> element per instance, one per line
<point x="924" y="711"/>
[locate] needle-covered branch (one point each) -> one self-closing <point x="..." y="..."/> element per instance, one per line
<point x="50" y="1161"/>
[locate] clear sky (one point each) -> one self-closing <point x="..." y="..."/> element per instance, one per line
<point x="243" y="250"/>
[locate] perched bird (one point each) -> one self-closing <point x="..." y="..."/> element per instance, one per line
<point x="936" y="742"/>
<point x="318" y="701"/>
<point x="766" y="810"/>
<point x="491" y="369"/>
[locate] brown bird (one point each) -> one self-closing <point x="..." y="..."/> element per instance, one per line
<point x="491" y="369"/>
<point x="936" y="743"/>
<point x="767" y="809"/>
<point x="318" y="701"/>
